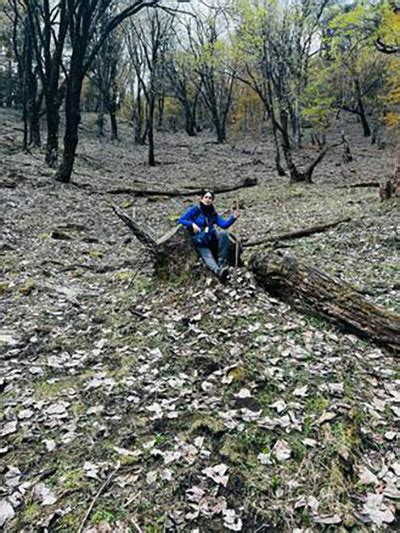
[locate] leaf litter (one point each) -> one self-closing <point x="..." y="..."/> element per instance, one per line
<point x="227" y="408"/>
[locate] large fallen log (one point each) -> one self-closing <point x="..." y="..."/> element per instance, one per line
<point x="244" y="183"/>
<point x="296" y="234"/>
<point x="328" y="296"/>
<point x="173" y="254"/>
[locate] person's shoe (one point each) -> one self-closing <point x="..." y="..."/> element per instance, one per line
<point x="223" y="274"/>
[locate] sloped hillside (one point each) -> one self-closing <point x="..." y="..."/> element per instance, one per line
<point x="130" y="404"/>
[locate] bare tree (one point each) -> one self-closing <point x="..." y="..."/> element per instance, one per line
<point x="83" y="18"/>
<point x="27" y="68"/>
<point x="181" y="80"/>
<point x="49" y="23"/>
<point x="136" y="64"/>
<point x="104" y="74"/>
<point x="148" y="41"/>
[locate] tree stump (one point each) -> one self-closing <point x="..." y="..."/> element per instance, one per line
<point x="176" y="254"/>
<point x="328" y="297"/>
<point x="173" y="254"/>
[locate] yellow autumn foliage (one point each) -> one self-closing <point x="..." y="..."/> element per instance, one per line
<point x="389" y="28"/>
<point x="248" y="111"/>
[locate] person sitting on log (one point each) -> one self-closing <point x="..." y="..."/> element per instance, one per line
<point x="201" y="220"/>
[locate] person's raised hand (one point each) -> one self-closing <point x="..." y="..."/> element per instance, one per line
<point x="236" y="214"/>
<point x="196" y="228"/>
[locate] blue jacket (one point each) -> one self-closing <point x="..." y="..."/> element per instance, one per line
<point x="194" y="215"/>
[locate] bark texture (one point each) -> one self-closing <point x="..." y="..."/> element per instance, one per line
<point x="327" y="296"/>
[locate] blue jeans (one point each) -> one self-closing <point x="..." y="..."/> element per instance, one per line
<point x="207" y="256"/>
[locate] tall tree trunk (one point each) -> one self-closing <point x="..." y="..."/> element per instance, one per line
<point x="189" y="122"/>
<point x="295" y="175"/>
<point x="32" y="102"/>
<point x="34" y="124"/>
<point x="278" y="166"/>
<point x="53" y="123"/>
<point x="138" y="118"/>
<point x="26" y="67"/>
<point x="100" y="116"/>
<point x="160" y="109"/>
<point x="113" y="122"/>
<point x="34" y="107"/>
<point x="219" y="127"/>
<point x="298" y="123"/>
<point x="10" y="96"/>
<point x="190" y="117"/>
<point x="216" y="120"/>
<point x="112" y="111"/>
<point x="361" y="112"/>
<point x="150" y="131"/>
<point x="113" y="107"/>
<point x="25" y="120"/>
<point x="73" y="117"/>
<point x="221" y="133"/>
<point x="364" y="121"/>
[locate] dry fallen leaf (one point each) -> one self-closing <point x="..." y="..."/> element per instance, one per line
<point x="281" y="450"/>
<point x="6" y="512"/>
<point x="326" y="417"/>
<point x="366" y="477"/>
<point x="231" y="520"/>
<point x="44" y="494"/>
<point x="327" y="519"/>
<point x="217" y="474"/>
<point x="9" y="428"/>
<point x="301" y="391"/>
<point x="243" y="393"/>
<point x="376" y="510"/>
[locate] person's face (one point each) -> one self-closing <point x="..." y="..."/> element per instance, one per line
<point x="207" y="199"/>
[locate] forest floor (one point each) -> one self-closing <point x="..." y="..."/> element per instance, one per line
<point x="129" y="404"/>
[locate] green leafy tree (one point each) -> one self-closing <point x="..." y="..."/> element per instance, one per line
<point x="275" y="43"/>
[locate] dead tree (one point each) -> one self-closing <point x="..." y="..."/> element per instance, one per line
<point x="246" y="182"/>
<point x="327" y="296"/>
<point x="173" y="254"/>
<point x="296" y="234"/>
<point x="148" y="43"/>
<point x="311" y="289"/>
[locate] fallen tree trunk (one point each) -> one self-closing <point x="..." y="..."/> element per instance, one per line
<point x="141" y="234"/>
<point x="173" y="254"/>
<point x="362" y="185"/>
<point x="297" y="234"/>
<point x="327" y="296"/>
<point x="246" y="182"/>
